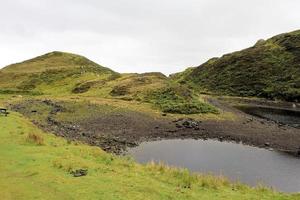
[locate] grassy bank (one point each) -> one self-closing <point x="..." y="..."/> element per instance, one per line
<point x="36" y="165"/>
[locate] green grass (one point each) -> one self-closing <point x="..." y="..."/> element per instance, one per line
<point x="270" y="69"/>
<point x="55" y="73"/>
<point x="36" y="165"/>
<point x="60" y="74"/>
<point x="53" y="61"/>
<point x="179" y="99"/>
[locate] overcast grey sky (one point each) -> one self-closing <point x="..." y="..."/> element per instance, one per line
<point x="140" y="35"/>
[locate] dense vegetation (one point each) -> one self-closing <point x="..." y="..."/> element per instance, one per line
<point x="179" y="99"/>
<point x="269" y="69"/>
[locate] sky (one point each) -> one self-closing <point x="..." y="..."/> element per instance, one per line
<point x="140" y="35"/>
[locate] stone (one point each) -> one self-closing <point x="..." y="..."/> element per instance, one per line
<point x="267" y="144"/>
<point x="79" y="172"/>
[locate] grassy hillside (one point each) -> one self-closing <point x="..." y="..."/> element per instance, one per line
<point x="269" y="69"/>
<point x="60" y="74"/>
<point x="37" y="165"/>
<point x="52" y="73"/>
<point x="51" y="61"/>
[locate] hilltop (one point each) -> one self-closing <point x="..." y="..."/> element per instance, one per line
<point x="270" y="69"/>
<point x="51" y="61"/>
<point x="54" y="72"/>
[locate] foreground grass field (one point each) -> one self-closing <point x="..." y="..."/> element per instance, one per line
<point x="36" y="165"/>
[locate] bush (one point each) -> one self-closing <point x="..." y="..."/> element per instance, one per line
<point x="179" y="100"/>
<point x="187" y="108"/>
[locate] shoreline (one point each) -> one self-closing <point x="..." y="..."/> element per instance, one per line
<point x="116" y="131"/>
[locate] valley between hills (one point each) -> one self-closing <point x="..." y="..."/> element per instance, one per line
<point x="242" y="97"/>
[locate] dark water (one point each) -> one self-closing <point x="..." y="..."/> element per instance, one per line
<point x="284" y="116"/>
<point x="246" y="164"/>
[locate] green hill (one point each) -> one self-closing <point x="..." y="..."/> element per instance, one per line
<point x="51" y="61"/>
<point x="55" y="72"/>
<point x="60" y="74"/>
<point x="269" y="69"/>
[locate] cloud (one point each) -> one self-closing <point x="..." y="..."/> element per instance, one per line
<point x="140" y="35"/>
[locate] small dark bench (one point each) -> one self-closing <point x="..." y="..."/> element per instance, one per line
<point x="4" y="111"/>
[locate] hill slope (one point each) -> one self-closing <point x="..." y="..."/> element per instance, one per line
<point x="51" y="61"/>
<point x="59" y="73"/>
<point x="55" y="72"/>
<point x="269" y="69"/>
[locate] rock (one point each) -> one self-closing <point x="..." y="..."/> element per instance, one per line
<point x="188" y="123"/>
<point x="79" y="172"/>
<point x="260" y="42"/>
<point x="267" y="144"/>
<point x="178" y="126"/>
<point x="4" y="111"/>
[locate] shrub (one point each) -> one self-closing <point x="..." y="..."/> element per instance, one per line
<point x="180" y="100"/>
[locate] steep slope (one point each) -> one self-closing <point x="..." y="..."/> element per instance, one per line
<point x="269" y="69"/>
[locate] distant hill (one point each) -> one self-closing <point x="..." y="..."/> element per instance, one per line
<point x="52" y="61"/>
<point x="269" y="69"/>
<point x="55" y="72"/>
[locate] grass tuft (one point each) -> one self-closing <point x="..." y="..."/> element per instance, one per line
<point x="35" y="138"/>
